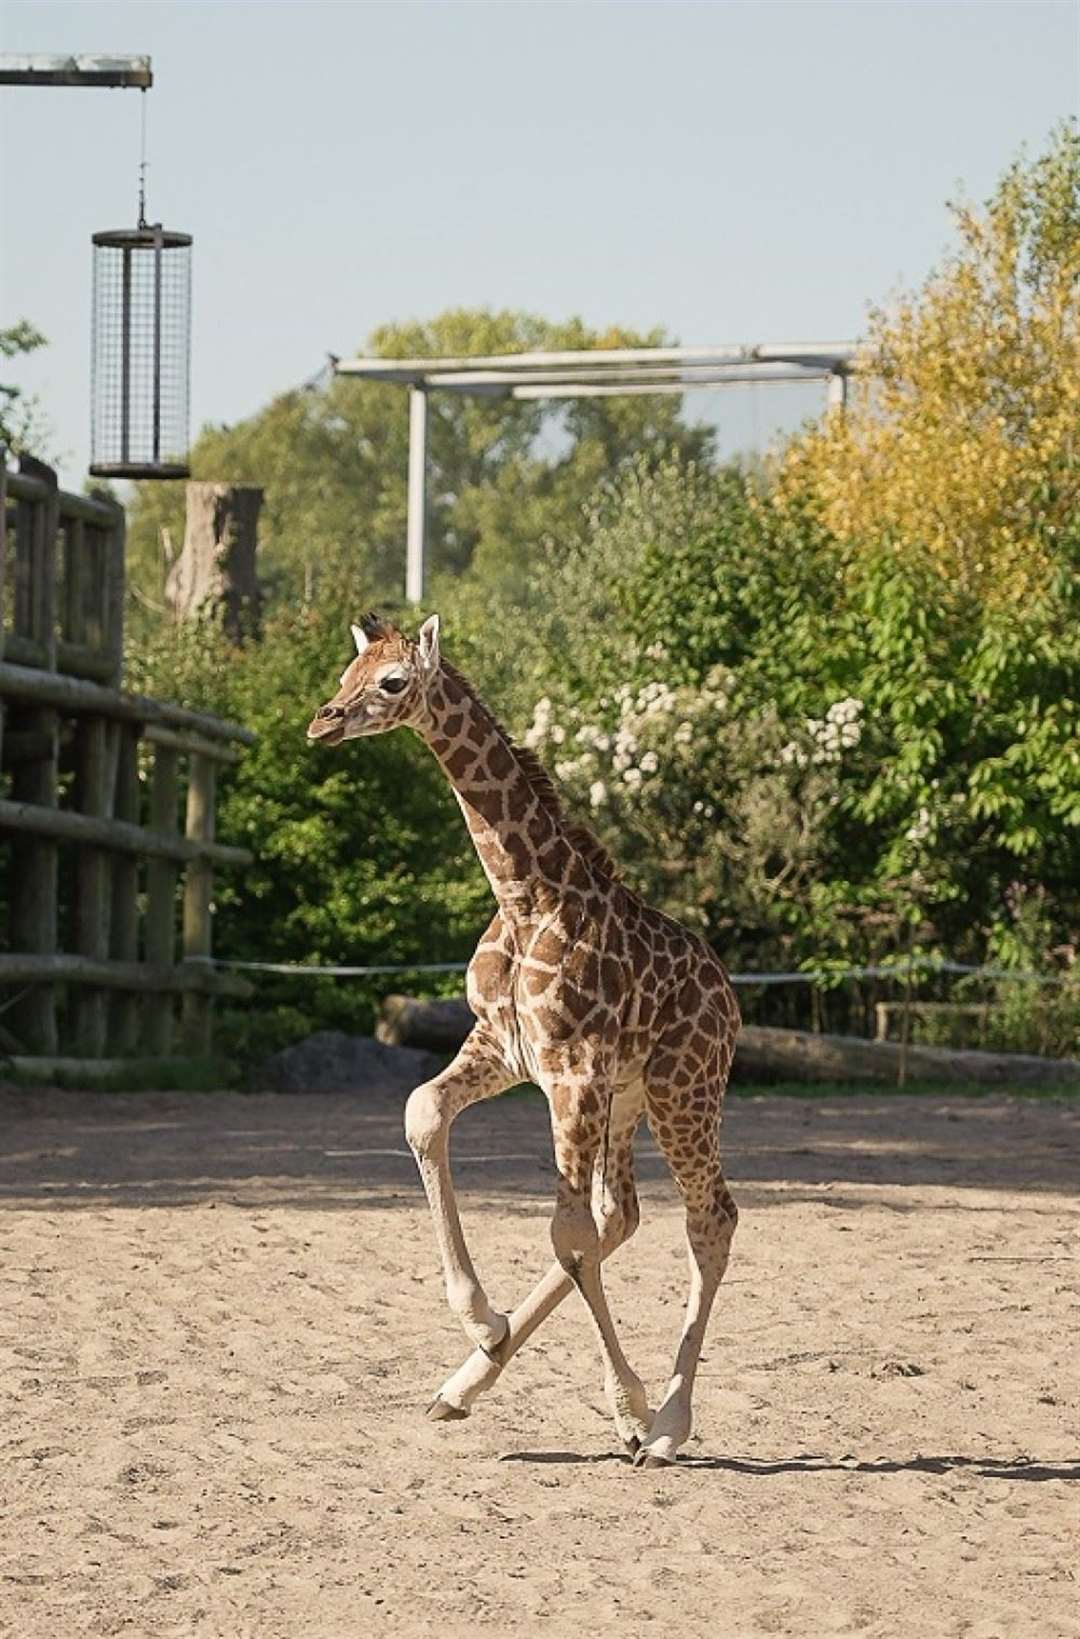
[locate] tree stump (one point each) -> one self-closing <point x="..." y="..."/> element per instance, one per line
<point x="215" y="576"/>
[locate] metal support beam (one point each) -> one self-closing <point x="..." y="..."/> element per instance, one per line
<point x="623" y="389"/>
<point x="585" y="373"/>
<point x="415" y="541"/>
<point x="95" y="68"/>
<point x="617" y="359"/>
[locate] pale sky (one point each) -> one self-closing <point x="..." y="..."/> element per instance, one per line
<point x="735" y="172"/>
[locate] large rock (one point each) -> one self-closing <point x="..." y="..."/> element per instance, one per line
<point x="440" y="1026"/>
<point x="332" y="1062"/>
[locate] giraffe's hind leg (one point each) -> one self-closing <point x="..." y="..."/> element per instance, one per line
<point x="579" y="1119"/>
<point x="688" y="1133"/>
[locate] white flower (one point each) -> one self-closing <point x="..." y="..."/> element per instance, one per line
<point x="684" y="734"/>
<point x="558" y="734"/>
<point x="597" y="793"/>
<point x="633" y="776"/>
<point x="845" y="711"/>
<point x="920" y="830"/>
<point x="656" y="651"/>
<point x="649" y="763"/>
<point x="565" y="771"/>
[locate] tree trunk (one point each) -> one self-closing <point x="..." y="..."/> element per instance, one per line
<point x="215" y="574"/>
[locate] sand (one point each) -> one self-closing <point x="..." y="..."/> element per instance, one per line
<point x="221" y="1319"/>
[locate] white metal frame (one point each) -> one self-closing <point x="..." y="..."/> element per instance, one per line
<point x="584" y="373"/>
<point x="94" y="68"/>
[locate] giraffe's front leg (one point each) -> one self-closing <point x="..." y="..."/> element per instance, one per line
<point x="477" y="1072"/>
<point x="615" y="1208"/>
<point x="618" y="1221"/>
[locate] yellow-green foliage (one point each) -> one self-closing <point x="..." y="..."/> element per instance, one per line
<point x="961" y="441"/>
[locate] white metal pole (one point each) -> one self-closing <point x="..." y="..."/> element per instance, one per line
<point x="417" y="519"/>
<point x="837" y="397"/>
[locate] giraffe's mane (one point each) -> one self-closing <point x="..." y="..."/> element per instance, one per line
<point x="581" y="839"/>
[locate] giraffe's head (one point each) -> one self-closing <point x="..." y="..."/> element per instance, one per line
<point x="384" y="687"/>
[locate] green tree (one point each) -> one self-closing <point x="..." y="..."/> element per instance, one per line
<point x="22" y="427"/>
<point x="504" y="476"/>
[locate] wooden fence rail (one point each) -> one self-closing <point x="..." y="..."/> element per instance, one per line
<point x="103" y="884"/>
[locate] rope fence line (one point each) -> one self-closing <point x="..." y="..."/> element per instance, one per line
<point x="897" y="970"/>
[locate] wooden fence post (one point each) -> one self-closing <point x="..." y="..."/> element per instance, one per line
<point x="124" y="931"/>
<point x="92" y="904"/>
<point x="161" y="901"/>
<point x="113" y="598"/>
<point x="3" y="575"/>
<point x="34" y="860"/>
<point x="198" y="893"/>
<point x="94" y="783"/>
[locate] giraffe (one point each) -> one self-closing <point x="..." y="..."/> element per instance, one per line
<point x="612" y="1008"/>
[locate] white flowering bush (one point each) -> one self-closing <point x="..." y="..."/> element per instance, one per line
<point x="718" y="814"/>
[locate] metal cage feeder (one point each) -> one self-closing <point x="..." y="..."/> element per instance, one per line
<point x="140" y="353"/>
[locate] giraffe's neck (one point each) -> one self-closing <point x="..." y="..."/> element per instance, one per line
<point x="519" y="838"/>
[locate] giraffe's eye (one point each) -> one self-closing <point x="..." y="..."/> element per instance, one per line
<point x="393" y="684"/>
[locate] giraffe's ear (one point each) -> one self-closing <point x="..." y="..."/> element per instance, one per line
<point x="427" y="644"/>
<point x="359" y="639"/>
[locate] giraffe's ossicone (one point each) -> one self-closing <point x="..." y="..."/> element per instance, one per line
<point x="608" y="1005"/>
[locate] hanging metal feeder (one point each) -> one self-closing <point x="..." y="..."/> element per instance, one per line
<point x="140" y="353"/>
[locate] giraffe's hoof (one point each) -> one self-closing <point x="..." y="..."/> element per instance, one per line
<point x="441" y="1411"/>
<point x="649" y="1459"/>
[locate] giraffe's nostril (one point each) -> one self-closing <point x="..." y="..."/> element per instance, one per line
<point x="331" y="711"/>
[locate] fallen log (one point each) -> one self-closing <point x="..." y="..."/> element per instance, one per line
<point x="768" y="1054"/>
<point x="799" y="1055"/>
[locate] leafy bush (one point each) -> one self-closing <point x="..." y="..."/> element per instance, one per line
<point x="360" y="854"/>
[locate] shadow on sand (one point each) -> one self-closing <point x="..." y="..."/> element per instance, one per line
<point x="991" y="1468"/>
<point x="344" y="1151"/>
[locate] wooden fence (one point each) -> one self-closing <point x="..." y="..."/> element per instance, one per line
<point x="103" y="881"/>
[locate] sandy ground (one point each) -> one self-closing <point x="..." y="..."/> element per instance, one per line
<point x="221" y="1319"/>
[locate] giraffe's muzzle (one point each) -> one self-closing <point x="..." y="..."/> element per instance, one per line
<point x="328" y="723"/>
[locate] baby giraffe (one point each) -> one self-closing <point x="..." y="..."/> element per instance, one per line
<point x="609" y="1006"/>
